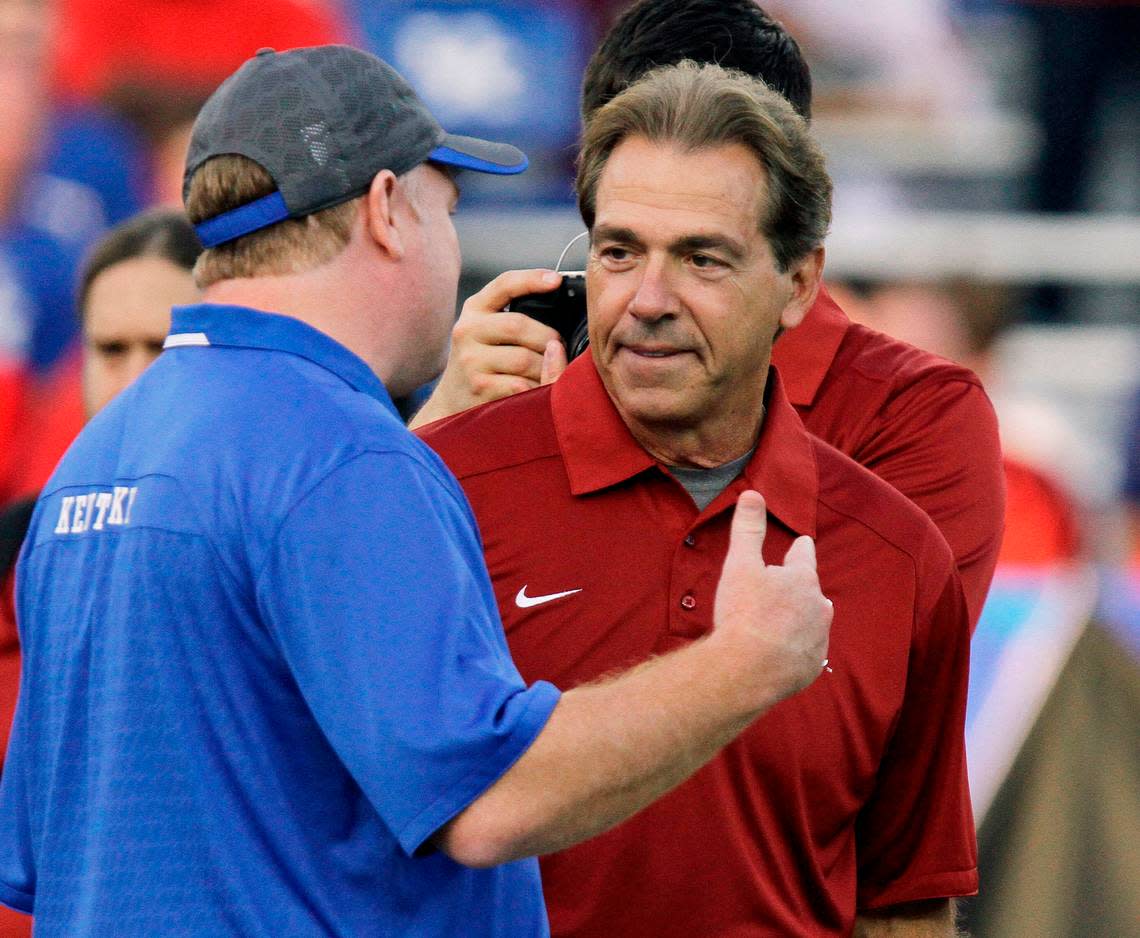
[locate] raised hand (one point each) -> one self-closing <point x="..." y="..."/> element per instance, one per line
<point x="775" y="615"/>
<point x="495" y="354"/>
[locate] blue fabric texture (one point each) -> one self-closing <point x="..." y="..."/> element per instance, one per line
<point x="262" y="662"/>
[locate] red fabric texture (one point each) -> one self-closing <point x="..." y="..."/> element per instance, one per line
<point x="186" y="44"/>
<point x="9" y="659"/>
<point x="14" y="381"/>
<point x="14" y="924"/>
<point x="849" y="795"/>
<point x="52" y="418"/>
<point x="923" y="424"/>
<point x="1041" y="528"/>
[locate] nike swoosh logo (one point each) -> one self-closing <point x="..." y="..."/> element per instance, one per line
<point x="525" y="602"/>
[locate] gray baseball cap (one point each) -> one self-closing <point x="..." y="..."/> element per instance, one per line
<point x="323" y="121"/>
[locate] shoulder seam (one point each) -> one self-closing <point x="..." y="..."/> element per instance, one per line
<point x="364" y="451"/>
<point x="476" y="473"/>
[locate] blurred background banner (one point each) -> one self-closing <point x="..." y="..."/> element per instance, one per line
<point x="504" y="70"/>
<point x="986" y="156"/>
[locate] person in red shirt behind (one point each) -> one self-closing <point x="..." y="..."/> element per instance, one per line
<point x="606" y="498"/>
<point x="923" y="424"/>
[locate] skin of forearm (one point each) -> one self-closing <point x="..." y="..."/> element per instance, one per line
<point x="609" y="749"/>
<point x="933" y="919"/>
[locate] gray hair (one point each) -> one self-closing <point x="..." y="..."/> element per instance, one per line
<point x="701" y="106"/>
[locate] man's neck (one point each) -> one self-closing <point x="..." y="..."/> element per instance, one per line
<point x="319" y="298"/>
<point x="704" y="446"/>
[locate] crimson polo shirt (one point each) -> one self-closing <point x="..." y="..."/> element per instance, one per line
<point x="850" y="795"/>
<point x="916" y="420"/>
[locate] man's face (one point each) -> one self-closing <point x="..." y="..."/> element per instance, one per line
<point x="435" y="266"/>
<point x="126" y="320"/>
<point x="684" y="294"/>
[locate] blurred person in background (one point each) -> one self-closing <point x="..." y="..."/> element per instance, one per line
<point x="129" y="283"/>
<point x="35" y="265"/>
<point x="65" y="175"/>
<point x="921" y="423"/>
<point x="127" y="286"/>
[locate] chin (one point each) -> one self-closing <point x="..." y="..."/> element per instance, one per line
<point x="656" y="406"/>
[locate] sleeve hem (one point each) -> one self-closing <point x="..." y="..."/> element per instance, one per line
<point x="544" y="696"/>
<point x="14" y="899"/>
<point x="946" y="885"/>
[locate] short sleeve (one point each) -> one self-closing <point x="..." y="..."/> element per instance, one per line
<point x="915" y="836"/>
<point x="937" y="443"/>
<point x="376" y="591"/>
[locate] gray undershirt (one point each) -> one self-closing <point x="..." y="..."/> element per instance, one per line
<point x="703" y="485"/>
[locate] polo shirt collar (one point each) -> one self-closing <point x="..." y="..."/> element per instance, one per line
<point x="599" y="451"/>
<point x="215" y="324"/>
<point x="804" y="354"/>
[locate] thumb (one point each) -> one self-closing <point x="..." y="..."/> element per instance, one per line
<point x="749" y="525"/>
<point x="801" y="553"/>
<point x="553" y="361"/>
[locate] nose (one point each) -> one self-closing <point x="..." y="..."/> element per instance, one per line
<point x="655" y="297"/>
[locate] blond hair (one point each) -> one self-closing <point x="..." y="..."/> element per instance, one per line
<point x="291" y="246"/>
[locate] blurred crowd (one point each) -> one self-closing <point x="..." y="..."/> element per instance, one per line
<point x="1030" y="106"/>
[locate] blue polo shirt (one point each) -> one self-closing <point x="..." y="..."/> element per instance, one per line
<point x="262" y="662"/>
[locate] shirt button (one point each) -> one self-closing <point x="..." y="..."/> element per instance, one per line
<point x="688" y="601"/>
<point x="690" y="541"/>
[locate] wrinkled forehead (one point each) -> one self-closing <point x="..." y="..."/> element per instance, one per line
<point x="663" y="183"/>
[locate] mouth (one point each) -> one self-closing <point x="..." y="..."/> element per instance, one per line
<point x="647" y="351"/>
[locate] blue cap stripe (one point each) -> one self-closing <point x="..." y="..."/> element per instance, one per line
<point x="465" y="161"/>
<point x="261" y="213"/>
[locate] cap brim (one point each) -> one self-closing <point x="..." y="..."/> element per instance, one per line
<point x="482" y="156"/>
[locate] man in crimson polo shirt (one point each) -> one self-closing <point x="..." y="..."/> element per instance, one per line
<point x="919" y="422"/>
<point x="606" y="498"/>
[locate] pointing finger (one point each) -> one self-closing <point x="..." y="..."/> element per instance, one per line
<point x="749" y="525"/>
<point x="801" y="553"/>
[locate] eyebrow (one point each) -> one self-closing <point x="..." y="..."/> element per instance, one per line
<point x="691" y="243"/>
<point x="613" y="233"/>
<point x="684" y="245"/>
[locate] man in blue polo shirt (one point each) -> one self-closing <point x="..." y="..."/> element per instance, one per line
<point x="265" y="688"/>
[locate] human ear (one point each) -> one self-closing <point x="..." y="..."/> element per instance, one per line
<point x="381" y="211"/>
<point x="806" y="275"/>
